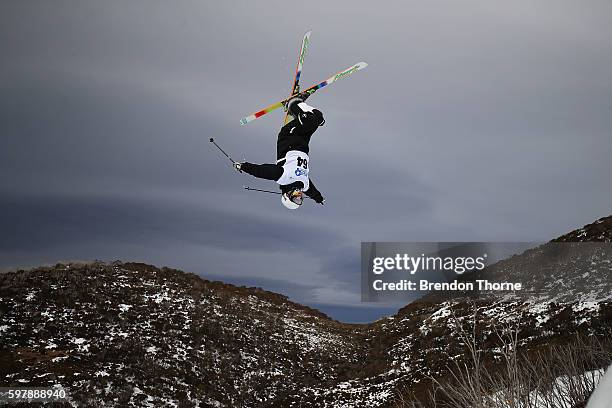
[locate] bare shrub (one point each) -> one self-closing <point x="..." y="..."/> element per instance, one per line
<point x="561" y="375"/>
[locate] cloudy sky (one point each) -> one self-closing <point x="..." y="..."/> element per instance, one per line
<point x="475" y="120"/>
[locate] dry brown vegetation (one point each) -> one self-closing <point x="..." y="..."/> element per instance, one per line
<point x="561" y="375"/>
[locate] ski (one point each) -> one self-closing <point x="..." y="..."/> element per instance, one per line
<point x="344" y="73"/>
<point x="298" y="71"/>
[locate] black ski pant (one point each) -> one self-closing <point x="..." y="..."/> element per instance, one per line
<point x="264" y="171"/>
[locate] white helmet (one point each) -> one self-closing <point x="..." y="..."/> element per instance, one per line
<point x="292" y="199"/>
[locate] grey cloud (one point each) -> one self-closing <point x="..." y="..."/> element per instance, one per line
<point x="473" y="121"/>
<point x="40" y="222"/>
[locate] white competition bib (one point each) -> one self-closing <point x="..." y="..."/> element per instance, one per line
<point x="295" y="169"/>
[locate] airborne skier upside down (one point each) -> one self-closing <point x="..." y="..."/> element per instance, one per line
<point x="291" y="170"/>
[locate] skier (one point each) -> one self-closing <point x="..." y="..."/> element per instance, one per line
<point x="291" y="167"/>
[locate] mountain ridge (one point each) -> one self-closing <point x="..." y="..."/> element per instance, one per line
<point x="131" y="334"/>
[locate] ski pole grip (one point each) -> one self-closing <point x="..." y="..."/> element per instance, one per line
<point x="212" y="140"/>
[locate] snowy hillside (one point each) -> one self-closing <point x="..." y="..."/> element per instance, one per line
<point x="132" y="334"/>
<point x="126" y="334"/>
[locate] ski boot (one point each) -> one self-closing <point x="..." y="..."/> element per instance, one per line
<point x="299" y="97"/>
<point x="303" y="95"/>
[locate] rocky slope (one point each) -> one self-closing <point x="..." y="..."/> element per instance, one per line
<point x="572" y="281"/>
<point x="599" y="231"/>
<point x="131" y="334"/>
<point x="126" y="334"/>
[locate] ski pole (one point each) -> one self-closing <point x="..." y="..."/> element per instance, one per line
<point x="261" y="191"/>
<point x="266" y="191"/>
<point x="222" y="151"/>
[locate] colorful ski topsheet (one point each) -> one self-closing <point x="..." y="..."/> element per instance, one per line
<point x="298" y="71"/>
<point x="344" y="73"/>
